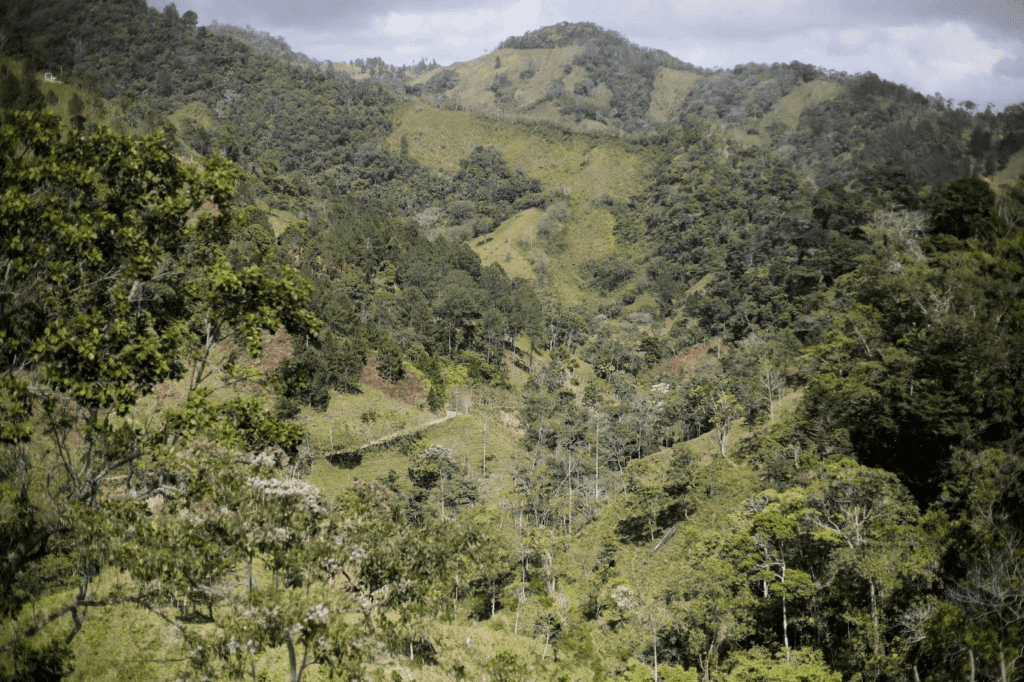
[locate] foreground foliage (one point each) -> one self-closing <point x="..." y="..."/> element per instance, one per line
<point x="125" y="270"/>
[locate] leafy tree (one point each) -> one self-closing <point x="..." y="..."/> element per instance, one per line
<point x="775" y="537"/>
<point x="319" y="365"/>
<point x="21" y="94"/>
<point x="977" y="631"/>
<point x="506" y="667"/>
<point x="803" y="665"/>
<point x="965" y="208"/>
<point x="76" y="108"/>
<point x="436" y="468"/>
<point x="716" y="406"/>
<point x="896" y="323"/>
<point x="873" y="522"/>
<point x="711" y="606"/>
<point x="117" y="280"/>
<point x="645" y="501"/>
<point x="390" y="361"/>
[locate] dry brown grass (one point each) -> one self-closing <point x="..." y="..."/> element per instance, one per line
<point x="410" y="390"/>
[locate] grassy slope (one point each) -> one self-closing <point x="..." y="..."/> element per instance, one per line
<point x="587" y="171"/>
<point x="803" y="96"/>
<point x="1012" y="172"/>
<point x="528" y="92"/>
<point x="576" y="557"/>
<point x="511" y="244"/>
<point x="671" y="86"/>
<point x="786" y="111"/>
<point x="96" y="109"/>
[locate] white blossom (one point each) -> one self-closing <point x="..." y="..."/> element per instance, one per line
<point x="308" y="495"/>
<point x="317" y="615"/>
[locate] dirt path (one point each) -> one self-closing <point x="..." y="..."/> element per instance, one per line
<point x="395" y="435"/>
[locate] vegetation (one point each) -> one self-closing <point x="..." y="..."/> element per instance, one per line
<point x="746" y="403"/>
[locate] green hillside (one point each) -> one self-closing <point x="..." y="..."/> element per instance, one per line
<point x="571" y="362"/>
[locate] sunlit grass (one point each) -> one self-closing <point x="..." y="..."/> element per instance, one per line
<point x="671" y="86"/>
<point x="1012" y="172"/>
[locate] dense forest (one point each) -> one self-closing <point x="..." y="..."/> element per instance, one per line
<point x="647" y="371"/>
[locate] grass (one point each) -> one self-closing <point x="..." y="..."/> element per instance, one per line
<point x="464" y="436"/>
<point x="511" y="244"/>
<point x="440" y="138"/>
<point x="196" y="111"/>
<point x="280" y="221"/>
<point x="1012" y="172"/>
<point x="353" y="419"/>
<point x="587" y="172"/>
<point x="671" y="86"/>
<point x="473" y="90"/>
<point x="97" y="110"/>
<point x="786" y="111"/>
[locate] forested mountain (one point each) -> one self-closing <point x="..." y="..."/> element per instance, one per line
<point x="573" y="362"/>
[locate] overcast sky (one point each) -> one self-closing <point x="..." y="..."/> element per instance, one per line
<point x="965" y="49"/>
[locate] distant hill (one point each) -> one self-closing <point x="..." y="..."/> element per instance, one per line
<point x="589" y="79"/>
<point x="262" y="41"/>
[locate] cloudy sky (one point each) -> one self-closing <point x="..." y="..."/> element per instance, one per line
<point x="965" y="49"/>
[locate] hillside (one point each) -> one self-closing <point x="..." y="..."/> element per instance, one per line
<point x="571" y="362"/>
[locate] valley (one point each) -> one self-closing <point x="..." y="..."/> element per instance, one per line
<point x="570" y="362"/>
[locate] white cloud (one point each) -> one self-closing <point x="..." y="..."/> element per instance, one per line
<point x="477" y="29"/>
<point x="400" y="25"/>
<point x="736" y="9"/>
<point x="936" y="58"/>
<point x="852" y="36"/>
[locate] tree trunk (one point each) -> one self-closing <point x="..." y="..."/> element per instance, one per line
<point x="785" y="628"/>
<point x="292" y="665"/>
<point x="875" y="643"/>
<point x="568" y="458"/>
<point x="655" y="656"/>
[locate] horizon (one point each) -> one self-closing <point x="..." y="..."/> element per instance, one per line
<point x="963" y="52"/>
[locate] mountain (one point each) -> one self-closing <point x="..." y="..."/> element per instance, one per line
<point x="573" y="361"/>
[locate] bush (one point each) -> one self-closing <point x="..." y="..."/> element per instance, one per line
<point x="442" y="82"/>
<point x="500" y="81"/>
<point x="608" y="272"/>
<point x="506" y="667"/>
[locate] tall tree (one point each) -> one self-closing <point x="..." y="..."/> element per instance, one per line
<point x="117" y="279"/>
